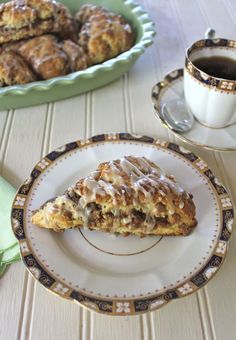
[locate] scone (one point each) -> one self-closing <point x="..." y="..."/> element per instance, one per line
<point x="87" y="11"/>
<point x="130" y="195"/>
<point x="103" y="34"/>
<point x="14" y="70"/>
<point x="45" y="56"/>
<point x="78" y="59"/>
<point x="12" y="46"/>
<point x="20" y="19"/>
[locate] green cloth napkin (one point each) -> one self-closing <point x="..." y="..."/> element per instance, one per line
<point x="9" y="248"/>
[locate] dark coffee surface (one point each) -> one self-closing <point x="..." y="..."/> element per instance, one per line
<point x="219" y="67"/>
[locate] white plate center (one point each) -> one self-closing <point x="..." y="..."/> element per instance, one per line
<point x="117" y="244"/>
<point x="118" y="266"/>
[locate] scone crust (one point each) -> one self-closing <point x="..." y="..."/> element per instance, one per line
<point x="14" y="70"/>
<point x="78" y="59"/>
<point x="45" y="56"/>
<point x="130" y="195"/>
<point x="20" y="19"/>
<point x="103" y="34"/>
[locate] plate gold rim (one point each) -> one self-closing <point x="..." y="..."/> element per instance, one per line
<point x="116" y="306"/>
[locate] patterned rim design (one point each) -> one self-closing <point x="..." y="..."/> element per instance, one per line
<point x="219" y="84"/>
<point x="157" y="92"/>
<point x="124" y="306"/>
<point x="146" y="39"/>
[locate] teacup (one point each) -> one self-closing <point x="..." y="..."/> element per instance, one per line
<point x="211" y="100"/>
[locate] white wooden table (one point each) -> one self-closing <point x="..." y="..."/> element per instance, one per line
<point x="29" y="311"/>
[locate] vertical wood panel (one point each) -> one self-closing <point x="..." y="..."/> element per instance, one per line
<point x="220" y="18"/>
<point x="179" y="320"/>
<point x="108" y="109"/>
<point x="5" y="125"/>
<point x="18" y="161"/>
<point x="231" y="10"/>
<point x="11" y="300"/>
<point x="54" y="317"/>
<point x="142" y="77"/>
<point x="24" y="146"/>
<point x="210" y="301"/>
<point x="124" y="105"/>
<point x="116" y="328"/>
<point x="221" y="290"/>
<point x="150" y="324"/>
<point x="3" y="118"/>
<point x="66" y="123"/>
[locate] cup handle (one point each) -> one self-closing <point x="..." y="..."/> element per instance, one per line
<point x="210" y="33"/>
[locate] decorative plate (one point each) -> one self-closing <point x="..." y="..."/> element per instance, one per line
<point x="171" y="88"/>
<point x="122" y="275"/>
<point x="78" y="82"/>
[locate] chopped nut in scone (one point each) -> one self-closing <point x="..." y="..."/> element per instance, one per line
<point x="130" y="195"/>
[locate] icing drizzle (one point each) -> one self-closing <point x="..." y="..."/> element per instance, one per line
<point x="128" y="172"/>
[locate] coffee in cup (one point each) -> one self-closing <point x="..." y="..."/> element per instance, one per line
<point x="210" y="81"/>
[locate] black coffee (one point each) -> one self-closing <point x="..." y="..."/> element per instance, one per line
<point x="219" y="67"/>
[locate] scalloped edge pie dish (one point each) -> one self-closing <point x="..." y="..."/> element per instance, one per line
<point x="75" y="83"/>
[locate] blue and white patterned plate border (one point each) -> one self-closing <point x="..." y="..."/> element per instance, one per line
<point x="123" y="306"/>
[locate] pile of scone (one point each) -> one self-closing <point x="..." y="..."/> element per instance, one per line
<point x="41" y="39"/>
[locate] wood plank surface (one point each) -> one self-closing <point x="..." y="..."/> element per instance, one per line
<point x="66" y="122"/>
<point x="16" y="164"/>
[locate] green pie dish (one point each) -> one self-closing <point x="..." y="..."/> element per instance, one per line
<point x="75" y="83"/>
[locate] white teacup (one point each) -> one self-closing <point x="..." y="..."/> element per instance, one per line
<point x="211" y="100"/>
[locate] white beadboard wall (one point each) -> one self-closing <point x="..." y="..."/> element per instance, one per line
<point x="27" y="310"/>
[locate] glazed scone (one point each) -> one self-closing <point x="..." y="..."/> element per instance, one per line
<point x="45" y="56"/>
<point x="78" y="59"/>
<point x="64" y="22"/>
<point x="20" y="19"/>
<point x="12" y="46"/>
<point x="14" y="70"/>
<point x="131" y="195"/>
<point x="103" y="34"/>
<point x="87" y="11"/>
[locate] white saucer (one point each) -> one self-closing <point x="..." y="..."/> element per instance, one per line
<point x="170" y="88"/>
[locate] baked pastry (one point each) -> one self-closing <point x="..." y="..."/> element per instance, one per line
<point x="45" y="57"/>
<point x="14" y="70"/>
<point x="130" y="195"/>
<point x="12" y="46"/>
<point x="87" y="11"/>
<point x="20" y="19"/>
<point x="78" y="59"/>
<point x="103" y="34"/>
<point x="43" y="36"/>
<point x="64" y="22"/>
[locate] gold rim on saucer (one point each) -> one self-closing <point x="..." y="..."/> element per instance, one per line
<point x="157" y="92"/>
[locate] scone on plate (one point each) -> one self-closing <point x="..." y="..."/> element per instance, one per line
<point x="131" y="195"/>
<point x="103" y="34"/>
